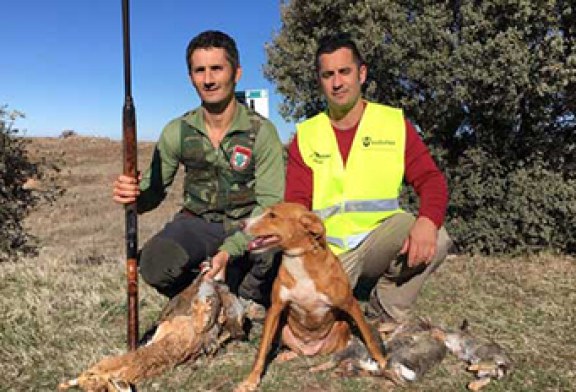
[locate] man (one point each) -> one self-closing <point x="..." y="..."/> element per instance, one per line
<point x="348" y="165"/>
<point x="234" y="167"/>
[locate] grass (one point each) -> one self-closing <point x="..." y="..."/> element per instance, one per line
<point x="65" y="309"/>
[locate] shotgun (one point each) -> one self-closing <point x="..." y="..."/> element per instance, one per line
<point x="130" y="169"/>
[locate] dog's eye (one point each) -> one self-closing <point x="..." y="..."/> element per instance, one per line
<point x="272" y="215"/>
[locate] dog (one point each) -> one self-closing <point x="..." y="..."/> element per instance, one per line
<point x="195" y="322"/>
<point x="311" y="291"/>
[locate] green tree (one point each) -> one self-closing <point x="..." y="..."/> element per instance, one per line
<point x="495" y="76"/>
<point x="16" y="200"/>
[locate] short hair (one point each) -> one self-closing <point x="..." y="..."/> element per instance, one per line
<point x="213" y="39"/>
<point x="332" y="42"/>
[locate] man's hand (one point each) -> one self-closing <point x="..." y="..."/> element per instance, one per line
<point x="125" y="189"/>
<point x="219" y="263"/>
<point x="421" y="242"/>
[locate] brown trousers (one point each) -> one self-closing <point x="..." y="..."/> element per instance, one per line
<point x="376" y="262"/>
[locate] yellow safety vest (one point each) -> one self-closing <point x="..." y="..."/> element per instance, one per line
<point x="353" y="200"/>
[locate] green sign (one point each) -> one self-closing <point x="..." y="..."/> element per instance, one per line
<point x="254" y="94"/>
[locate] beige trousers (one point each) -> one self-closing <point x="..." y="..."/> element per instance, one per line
<point x="376" y="265"/>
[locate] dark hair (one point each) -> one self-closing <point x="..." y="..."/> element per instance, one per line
<point x="332" y="42"/>
<point x="213" y="39"/>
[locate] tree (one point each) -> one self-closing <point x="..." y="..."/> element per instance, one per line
<point x="497" y="74"/>
<point x="494" y="79"/>
<point x="17" y="199"/>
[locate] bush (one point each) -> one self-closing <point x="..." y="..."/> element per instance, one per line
<point x="498" y="208"/>
<point x="17" y="196"/>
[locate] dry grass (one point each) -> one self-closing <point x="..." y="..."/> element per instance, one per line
<point x="65" y="309"/>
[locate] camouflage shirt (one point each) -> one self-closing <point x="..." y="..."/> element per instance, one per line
<point x="237" y="179"/>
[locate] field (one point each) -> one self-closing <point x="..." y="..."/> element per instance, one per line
<point x="65" y="309"/>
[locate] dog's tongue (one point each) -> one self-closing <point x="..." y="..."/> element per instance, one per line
<point x="261" y="242"/>
<point x="255" y="243"/>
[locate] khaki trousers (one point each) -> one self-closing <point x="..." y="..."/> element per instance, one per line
<point x="375" y="264"/>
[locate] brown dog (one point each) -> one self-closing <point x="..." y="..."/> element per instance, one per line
<point x="311" y="287"/>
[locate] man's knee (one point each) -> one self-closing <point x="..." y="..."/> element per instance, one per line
<point x="162" y="265"/>
<point x="390" y="235"/>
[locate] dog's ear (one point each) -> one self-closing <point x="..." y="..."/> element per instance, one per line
<point x="313" y="224"/>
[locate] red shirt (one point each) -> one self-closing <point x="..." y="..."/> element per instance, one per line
<point x="420" y="172"/>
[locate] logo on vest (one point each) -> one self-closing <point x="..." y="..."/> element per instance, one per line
<point x="240" y="158"/>
<point x="367" y="141"/>
<point x="319" y="158"/>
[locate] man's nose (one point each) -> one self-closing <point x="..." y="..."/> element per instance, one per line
<point x="336" y="82"/>
<point x="208" y="79"/>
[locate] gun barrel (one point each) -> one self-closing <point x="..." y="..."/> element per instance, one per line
<point x="129" y="144"/>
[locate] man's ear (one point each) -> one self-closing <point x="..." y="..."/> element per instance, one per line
<point x="313" y="224"/>
<point x="238" y="74"/>
<point x="363" y="73"/>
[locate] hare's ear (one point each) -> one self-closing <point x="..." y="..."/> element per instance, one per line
<point x="313" y="224"/>
<point x="119" y="385"/>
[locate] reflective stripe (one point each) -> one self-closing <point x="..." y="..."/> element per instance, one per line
<point x="336" y="241"/>
<point x="355" y="240"/>
<point x="359" y="206"/>
<point x="371" y="205"/>
<point x="350" y="242"/>
<point x="327" y="212"/>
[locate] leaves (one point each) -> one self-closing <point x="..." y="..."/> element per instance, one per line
<point x="16" y="200"/>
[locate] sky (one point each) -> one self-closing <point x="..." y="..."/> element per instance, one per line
<point x="61" y="61"/>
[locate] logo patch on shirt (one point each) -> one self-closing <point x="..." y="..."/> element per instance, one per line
<point x="318" y="157"/>
<point x="367" y="141"/>
<point x="240" y="158"/>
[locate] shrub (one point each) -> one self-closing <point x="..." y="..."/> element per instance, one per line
<point x="17" y="196"/>
<point x="498" y="208"/>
